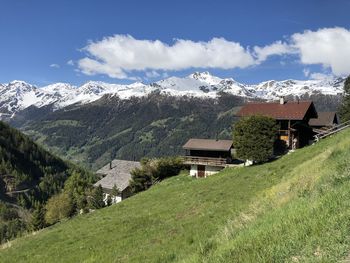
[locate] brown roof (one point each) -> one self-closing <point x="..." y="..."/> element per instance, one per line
<point x="290" y="110"/>
<point x="208" y="145"/>
<point x="325" y="119"/>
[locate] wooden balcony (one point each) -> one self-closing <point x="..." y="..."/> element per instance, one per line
<point x="222" y="162"/>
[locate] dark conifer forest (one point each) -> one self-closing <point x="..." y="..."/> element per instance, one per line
<point x="29" y="176"/>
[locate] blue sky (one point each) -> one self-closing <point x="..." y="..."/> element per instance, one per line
<point x="42" y="42"/>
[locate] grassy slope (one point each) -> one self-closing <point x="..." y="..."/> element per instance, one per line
<point x="295" y="209"/>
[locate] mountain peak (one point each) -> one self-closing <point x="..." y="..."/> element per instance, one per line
<point x="18" y="95"/>
<point x="20" y="84"/>
<point x="206" y="77"/>
<point x="200" y="75"/>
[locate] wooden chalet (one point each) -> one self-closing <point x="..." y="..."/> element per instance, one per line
<point x="292" y="117"/>
<point x="118" y="173"/>
<point x="207" y="156"/>
<point x="324" y="121"/>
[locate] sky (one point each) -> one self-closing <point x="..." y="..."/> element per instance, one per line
<point x="47" y="41"/>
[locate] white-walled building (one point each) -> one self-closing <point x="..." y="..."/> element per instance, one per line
<point x="118" y="173"/>
<point x="206" y="156"/>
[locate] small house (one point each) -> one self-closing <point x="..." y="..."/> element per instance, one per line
<point x="206" y="156"/>
<point x="292" y="117"/>
<point x="324" y="121"/>
<point x="118" y="173"/>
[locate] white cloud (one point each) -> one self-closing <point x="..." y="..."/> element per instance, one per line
<point x="276" y="48"/>
<point x="120" y="55"/>
<point x="54" y="66"/>
<point x="116" y="56"/>
<point x="70" y="62"/>
<point x="320" y="76"/>
<point x="316" y="75"/>
<point x="152" y="74"/>
<point x="329" y="47"/>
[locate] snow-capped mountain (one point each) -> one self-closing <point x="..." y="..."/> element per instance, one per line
<point x="18" y="95"/>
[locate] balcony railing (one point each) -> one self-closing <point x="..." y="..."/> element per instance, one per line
<point x="205" y="160"/>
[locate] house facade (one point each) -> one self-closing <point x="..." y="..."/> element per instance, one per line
<point x="292" y="118"/>
<point x="118" y="173"/>
<point x="207" y="157"/>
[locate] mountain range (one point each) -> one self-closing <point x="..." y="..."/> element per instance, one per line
<point x="19" y="95"/>
<point x="97" y="122"/>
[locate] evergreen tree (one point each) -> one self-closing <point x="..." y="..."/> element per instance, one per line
<point x="109" y="200"/>
<point x="97" y="198"/>
<point x="254" y="138"/>
<point x="38" y="218"/>
<point x="141" y="179"/>
<point x="115" y="191"/>
<point x="344" y="110"/>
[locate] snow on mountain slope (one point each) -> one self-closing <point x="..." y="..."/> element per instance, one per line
<point x="272" y="89"/>
<point x="18" y="95"/>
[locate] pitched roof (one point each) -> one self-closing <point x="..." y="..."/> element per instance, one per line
<point x="290" y="110"/>
<point x="119" y="175"/>
<point x="325" y="119"/>
<point x="208" y="145"/>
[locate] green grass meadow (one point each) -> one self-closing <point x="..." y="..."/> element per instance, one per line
<point x="295" y="209"/>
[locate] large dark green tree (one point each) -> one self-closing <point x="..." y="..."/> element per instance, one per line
<point x="344" y="110"/>
<point x="254" y="137"/>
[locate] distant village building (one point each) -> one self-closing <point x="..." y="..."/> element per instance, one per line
<point x="325" y="121"/>
<point x="292" y="117"/>
<point x="118" y="173"/>
<point x="207" y="157"/>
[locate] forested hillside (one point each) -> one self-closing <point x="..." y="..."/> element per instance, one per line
<point x="153" y="126"/>
<point x="29" y="175"/>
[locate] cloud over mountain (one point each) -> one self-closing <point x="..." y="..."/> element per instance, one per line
<point x="329" y="47"/>
<point x="119" y="55"/>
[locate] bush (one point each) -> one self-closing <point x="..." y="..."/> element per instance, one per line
<point x="153" y="170"/>
<point x="254" y="138"/>
<point x="58" y="207"/>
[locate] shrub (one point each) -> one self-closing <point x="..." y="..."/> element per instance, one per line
<point x="153" y="170"/>
<point x="58" y="207"/>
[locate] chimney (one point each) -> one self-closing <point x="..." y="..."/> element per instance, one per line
<point x="282" y="100"/>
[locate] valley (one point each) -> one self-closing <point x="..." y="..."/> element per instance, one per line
<point x="98" y="122"/>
